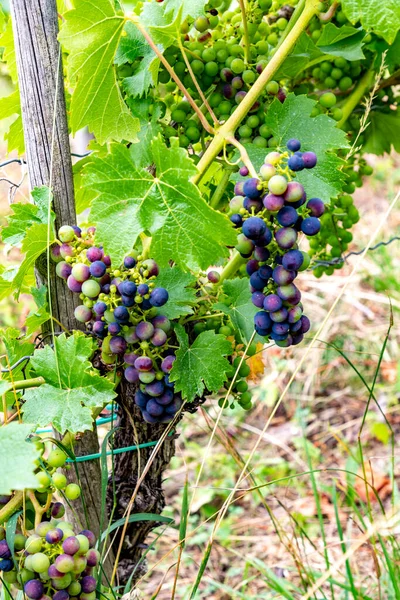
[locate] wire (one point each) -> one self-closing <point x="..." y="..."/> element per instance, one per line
<point x="342" y="259"/>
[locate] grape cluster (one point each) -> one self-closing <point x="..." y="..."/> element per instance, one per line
<point x="122" y="308"/>
<point x="52" y="562"/>
<point x="270" y="212"/>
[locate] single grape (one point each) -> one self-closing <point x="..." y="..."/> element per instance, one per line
<point x="282" y="276"/>
<point x="81" y="272"/>
<point x="114" y="328"/>
<point x="262" y="320"/>
<point x="294" y="192"/>
<point x="63" y="269"/>
<point x="165" y="398"/>
<point x="72" y="491"/>
<point x="131" y="374"/>
<point x="59" y="480"/>
<point x="40" y="562"/>
<point x="34" y="589"/>
<point x="153" y="408"/>
<point x="74" y="285"/>
<point x="90" y="536"/>
<point x="66" y="233"/>
<point x="311" y="226"/>
<point x="293" y="260"/>
<point x="267" y="171"/>
<point x="141" y="399"/>
<point x="121" y="314"/>
<point x="61" y="595"/>
<point x="296" y="163"/>
<point x="93" y="557"/>
<point x="58" y="510"/>
<point x="277" y="185"/>
<point x="156" y="388"/>
<point x="129" y="262"/>
<point x="159" y="338"/>
<point x="88" y="584"/>
<point x="118" y="345"/>
<point x="265" y="272"/>
<point x="83" y="314"/>
<point x="254" y="228"/>
<point x="144" y="330"/>
<point x="213" y="276"/>
<point x="53" y="536"/>
<point x="159" y="297"/>
<point x="4" y="550"/>
<point x="286" y="237"/>
<point x="305" y="324"/>
<point x="94" y="254"/>
<point x="309" y="159"/>
<point x="144" y="363"/>
<point x="287" y="216"/>
<point x="91" y="288"/>
<point x="256" y="282"/>
<point x="250" y="188"/>
<point x="293" y="144"/>
<point x="61" y="583"/>
<point x="272" y="202"/>
<point x="327" y="100"/>
<point x="151" y="267"/>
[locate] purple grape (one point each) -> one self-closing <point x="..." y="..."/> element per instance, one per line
<point x="54" y="573"/>
<point x="280" y="328"/>
<point x="265" y="272"/>
<point x="296" y="163"/>
<point x="159" y="338"/>
<point x="309" y="159"/>
<point x="256" y="282"/>
<point x="81" y="272"/>
<point x="251" y="267"/>
<point x="238" y="189"/>
<point x="143" y="289"/>
<point x="55" y="253"/>
<point x="156" y="388"/>
<point x="161" y="322"/>
<point x="292" y="260"/>
<point x="114" y="328"/>
<point x="148" y="418"/>
<point x="281" y="95"/>
<point x="129" y="262"/>
<point x="83" y="314"/>
<point x="286" y="237"/>
<point x="94" y="254"/>
<point x="100" y="308"/>
<point x="288" y="292"/>
<point x="257" y="299"/>
<point x="228" y="91"/>
<point x="118" y="345"/>
<point x="294" y="327"/>
<point x="297" y="339"/>
<point x="128" y="288"/>
<point x="167" y="363"/>
<point x="153" y="408"/>
<point x="243" y="170"/>
<point x="91" y="230"/>
<point x="262" y="320"/>
<point x="88" y="584"/>
<point x="97" y="269"/>
<point x="71" y="545"/>
<point x="66" y="250"/>
<point x="314" y="205"/>
<point x="99" y="329"/>
<point x="105" y="288"/>
<point x="226" y="74"/>
<point x="265" y="239"/>
<point x="175" y="405"/>
<point x="159" y="297"/>
<point x="213" y="276"/>
<point x="121" y="314"/>
<point x="61" y="595"/>
<point x="34" y="589"/>
<point x="287" y="216"/>
<point x="107" y="261"/>
<point x="272" y="303"/>
<point x="6" y="565"/>
<point x="63" y="269"/>
<point x="4" y="550"/>
<point x="58" y="510"/>
<point x="252" y="205"/>
<point x="130" y="335"/>
<point x="130" y="358"/>
<point x="144" y="330"/>
<point x="305" y="324"/>
<point x="237" y="84"/>
<point x="64" y="563"/>
<point x="144" y="363"/>
<point x="74" y="285"/>
<point x="131" y="374"/>
<point x="295" y="314"/>
<point x="278" y="316"/>
<point x="294" y="192"/>
<point x="278" y="337"/>
<point x="168" y="383"/>
<point x="250" y="187"/>
<point x="166" y="398"/>
<point x="254" y="228"/>
<point x="54" y="535"/>
<point x="128" y="301"/>
<point x="272" y="202"/>
<point x="261" y="254"/>
<point x="282" y="276"/>
<point x="236" y="220"/>
<point x="293" y="144"/>
<point x="92" y="557"/>
<point x="151" y="267"/>
<point x="141" y="399"/>
<point x="311" y="226"/>
<point x="77" y="230"/>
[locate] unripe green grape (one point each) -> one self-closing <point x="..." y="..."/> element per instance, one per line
<point x="66" y="233"/>
<point x="164" y="76"/>
<point x="281" y="23"/>
<point x="272" y="87"/>
<point x="59" y="480"/>
<point x="273" y="143"/>
<point x="201" y="24"/>
<point x="222" y="55"/>
<point x="260" y="142"/>
<point x="199" y="327"/>
<point x="180" y="68"/>
<point x="340" y="62"/>
<point x="242" y="386"/>
<point x="197" y="67"/>
<point x="336" y="73"/>
<point x="225" y="330"/>
<point x="367" y="170"/>
<point x="265" y="131"/>
<point x="277" y="185"/>
<point x="330" y="82"/>
<point x="40" y="562"/>
<point x="83" y="543"/>
<point x="345" y="83"/>
<point x="246" y="140"/>
<point x="193" y="134"/>
<point x="184" y="141"/>
<point x="244" y="370"/>
<point x="215" y="99"/>
<point x="337" y="114"/>
<point x="34" y="543"/>
<point x="91" y="288"/>
<point x="43" y="480"/>
<point x="10" y="577"/>
<point x="245" y="398"/>
<point x="56" y="458"/>
<point x="306" y="258"/>
<point x="211" y="69"/>
<point x="316" y="73"/>
<point x="253" y="121"/>
<point x="326" y="67"/>
<point x="273" y="39"/>
<point x="72" y="491"/>
<point x="213" y="21"/>
<point x="19" y="542"/>
<point x="238" y="66"/>
<point x="341" y="17"/>
<point x="178" y="115"/>
<point x="328" y="100"/>
<point x="245" y="131"/>
<point x="236" y="50"/>
<point x="316" y="35"/>
<point x="249" y="77"/>
<point x="263" y="47"/>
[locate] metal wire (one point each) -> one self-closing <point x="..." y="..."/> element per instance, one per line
<point x="341" y="259"/>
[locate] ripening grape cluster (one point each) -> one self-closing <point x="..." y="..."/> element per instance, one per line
<point x="121" y="306"/>
<point x="271" y="212"/>
<point x="51" y="563"/>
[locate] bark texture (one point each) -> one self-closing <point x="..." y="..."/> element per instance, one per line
<point x="40" y="74"/>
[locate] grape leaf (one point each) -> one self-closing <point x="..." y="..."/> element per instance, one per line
<point x="10" y="106"/>
<point x="239" y="306"/>
<point x="83" y="195"/>
<point x="381" y="17"/>
<point x="342" y="41"/>
<point x="202" y="365"/>
<point x="134" y="47"/>
<point x="40" y="315"/>
<point x="17" y="458"/>
<point x="130" y="200"/>
<point x="72" y="386"/>
<point x="91" y="35"/>
<point x="304" y="51"/>
<point x="140" y="152"/>
<point x="382" y="133"/>
<point x="163" y="20"/>
<point x="15" y="349"/>
<point x="189" y="8"/>
<point x="7" y="42"/>
<point x="319" y="134"/>
<point x="26" y="215"/>
<point x="182" y="295"/>
<point x="35" y="243"/>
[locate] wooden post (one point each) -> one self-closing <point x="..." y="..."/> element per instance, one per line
<point x="40" y="75"/>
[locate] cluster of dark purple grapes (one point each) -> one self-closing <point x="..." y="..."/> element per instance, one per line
<point x="52" y="562"/>
<point x="121" y="307"/>
<point x="271" y="211"/>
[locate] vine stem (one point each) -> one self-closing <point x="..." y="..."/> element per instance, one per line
<point x="228" y="129"/>
<point x="245" y="32"/>
<point x="235" y="262"/>
<point x="356" y="96"/>
<point x="220" y="189"/>
<point x="170" y="70"/>
<point x="243" y="155"/>
<point x="11" y="507"/>
<point x="25" y="384"/>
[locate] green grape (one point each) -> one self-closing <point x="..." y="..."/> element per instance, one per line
<point x="163" y="76"/>
<point x="238" y="66"/>
<point x="215" y="99"/>
<point x="244" y="370"/>
<point x="341" y="17"/>
<point x="59" y="480"/>
<point x="316" y="73"/>
<point x="253" y="121"/>
<point x="245" y="398"/>
<point x="211" y="69"/>
<point x="178" y="115"/>
<point x="367" y="170"/>
<point x="242" y="386"/>
<point x="40" y="562"/>
<point x="265" y="131"/>
<point x="180" y="68"/>
<point x="72" y="491"/>
<point x="272" y="87"/>
<point x="336" y="114"/>
<point x="225" y="330"/>
<point x="57" y="457"/>
<point x="330" y="82"/>
<point x="345" y="83"/>
<point x="249" y="77"/>
<point x="262" y="47"/>
<point x="197" y="67"/>
<point x="43" y="480"/>
<point x="245" y="131"/>
<point x="201" y="24"/>
<point x="273" y="39"/>
<point x="326" y="67"/>
<point x="222" y="55"/>
<point x="336" y="73"/>
<point x="184" y="141"/>
<point x="260" y="142"/>
<point x="213" y="21"/>
<point x="340" y="62"/>
<point x="193" y="134"/>
<point x="327" y="100"/>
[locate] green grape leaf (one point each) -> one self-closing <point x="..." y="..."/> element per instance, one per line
<point x="10" y="106"/>
<point x="7" y="42"/>
<point x="40" y="315"/>
<point x="344" y="41"/>
<point x="17" y="458"/>
<point x="15" y="349"/>
<point x="26" y="215"/>
<point x="72" y="386"/>
<point x="145" y="76"/>
<point x="304" y="51"/>
<point x="141" y="152"/>
<point x="382" y="133"/>
<point x="134" y="47"/>
<point x="189" y="8"/>
<point x="131" y="201"/>
<point x="319" y="134"/>
<point x="201" y="366"/>
<point x="163" y="26"/>
<point x="83" y="195"/>
<point x="238" y="306"/>
<point x="392" y="58"/>
<point x="381" y="17"/>
<point x="182" y="295"/>
<point x="91" y="35"/>
<point x="35" y="243"/>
